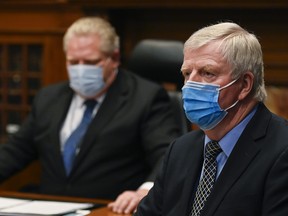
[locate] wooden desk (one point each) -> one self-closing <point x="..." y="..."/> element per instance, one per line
<point x="103" y="211"/>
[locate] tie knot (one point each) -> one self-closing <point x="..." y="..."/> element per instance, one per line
<point x="212" y="149"/>
<point x="90" y="104"/>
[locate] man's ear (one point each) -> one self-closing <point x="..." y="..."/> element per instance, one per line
<point x="247" y="85"/>
<point x="115" y="57"/>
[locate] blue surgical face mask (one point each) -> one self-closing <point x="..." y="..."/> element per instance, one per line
<point x="87" y="80"/>
<point x="201" y="103"/>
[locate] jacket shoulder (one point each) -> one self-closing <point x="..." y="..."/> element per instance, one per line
<point x="51" y="93"/>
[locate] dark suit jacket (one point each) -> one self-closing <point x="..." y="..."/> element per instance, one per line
<point x="253" y="182"/>
<point x="121" y="149"/>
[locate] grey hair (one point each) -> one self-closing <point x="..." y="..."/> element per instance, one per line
<point x="94" y="25"/>
<point x="240" y="48"/>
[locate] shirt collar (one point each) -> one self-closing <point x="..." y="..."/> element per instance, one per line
<point x="79" y="101"/>
<point x="228" y="142"/>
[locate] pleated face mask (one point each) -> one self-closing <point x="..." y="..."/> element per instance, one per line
<point x="87" y="80"/>
<point x="200" y="101"/>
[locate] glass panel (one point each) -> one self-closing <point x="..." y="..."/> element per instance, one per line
<point x="14" y="117"/>
<point x="30" y="99"/>
<point x="1" y="127"/>
<point x="34" y="83"/>
<point x="14" y="82"/>
<point x="15" y="60"/>
<point x="14" y="99"/>
<point x="1" y="58"/>
<point x="35" y="53"/>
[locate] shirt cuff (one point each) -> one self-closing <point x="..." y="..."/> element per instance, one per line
<point x="146" y="185"/>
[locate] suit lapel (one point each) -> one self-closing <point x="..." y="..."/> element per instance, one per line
<point x="235" y="166"/>
<point x="115" y="98"/>
<point x="195" y="163"/>
<point x="242" y="155"/>
<point x="60" y="109"/>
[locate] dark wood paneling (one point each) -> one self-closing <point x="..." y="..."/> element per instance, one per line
<point x="269" y="25"/>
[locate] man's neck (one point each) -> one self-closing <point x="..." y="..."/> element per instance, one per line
<point x="233" y="118"/>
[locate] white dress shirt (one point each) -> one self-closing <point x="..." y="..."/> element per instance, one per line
<point x="74" y="116"/>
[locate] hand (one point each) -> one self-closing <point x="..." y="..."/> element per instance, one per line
<point x="127" y="201"/>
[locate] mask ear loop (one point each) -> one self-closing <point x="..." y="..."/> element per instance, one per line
<point x="223" y="87"/>
<point x="234" y="104"/>
<point x="229" y="84"/>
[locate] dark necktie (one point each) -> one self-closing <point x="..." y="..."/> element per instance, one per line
<point x="209" y="174"/>
<point x="73" y="141"/>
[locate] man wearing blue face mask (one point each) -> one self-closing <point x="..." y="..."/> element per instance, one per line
<point x="103" y="133"/>
<point x="201" y="103"/>
<point x="236" y="163"/>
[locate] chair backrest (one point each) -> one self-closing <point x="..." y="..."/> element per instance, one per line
<point x="176" y="99"/>
<point x="160" y="61"/>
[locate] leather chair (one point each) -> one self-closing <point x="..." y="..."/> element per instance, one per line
<point x="160" y="61"/>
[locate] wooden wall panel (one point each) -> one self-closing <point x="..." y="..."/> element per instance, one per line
<point x="270" y="26"/>
<point x="181" y="3"/>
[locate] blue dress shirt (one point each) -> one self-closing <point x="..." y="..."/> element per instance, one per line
<point x="228" y="142"/>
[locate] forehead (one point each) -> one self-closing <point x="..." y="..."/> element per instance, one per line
<point x="207" y="55"/>
<point x="83" y="39"/>
<point x="81" y="46"/>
